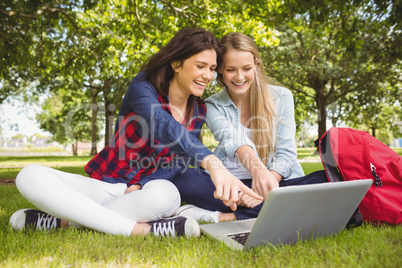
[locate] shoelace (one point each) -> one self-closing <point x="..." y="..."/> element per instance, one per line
<point x="165" y="228"/>
<point x="46" y="222"/>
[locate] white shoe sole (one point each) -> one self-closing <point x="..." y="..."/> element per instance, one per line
<point x="17" y="220"/>
<point x="183" y="208"/>
<point x="191" y="227"/>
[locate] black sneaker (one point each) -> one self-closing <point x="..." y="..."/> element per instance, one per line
<point x="175" y="226"/>
<point x="32" y="218"/>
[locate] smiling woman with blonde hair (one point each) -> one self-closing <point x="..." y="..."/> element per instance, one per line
<point x="253" y="120"/>
<point x="260" y="104"/>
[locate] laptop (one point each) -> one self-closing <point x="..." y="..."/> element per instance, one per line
<point x="294" y="213"/>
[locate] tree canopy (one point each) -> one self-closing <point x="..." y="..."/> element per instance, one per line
<point x="342" y="52"/>
<point x="339" y="58"/>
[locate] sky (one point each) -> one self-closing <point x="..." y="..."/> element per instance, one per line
<point x="19" y="118"/>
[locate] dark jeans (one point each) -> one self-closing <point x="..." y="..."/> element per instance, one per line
<point x="195" y="187"/>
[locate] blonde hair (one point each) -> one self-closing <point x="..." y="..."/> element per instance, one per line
<point x="262" y="108"/>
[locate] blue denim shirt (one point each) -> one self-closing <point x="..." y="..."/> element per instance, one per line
<point x="149" y="143"/>
<point x="223" y="119"/>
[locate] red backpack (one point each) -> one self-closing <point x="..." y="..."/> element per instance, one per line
<point x="349" y="154"/>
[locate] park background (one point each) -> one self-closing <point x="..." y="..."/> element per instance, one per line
<point x="66" y="65"/>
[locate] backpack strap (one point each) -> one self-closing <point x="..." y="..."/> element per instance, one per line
<point x="345" y="154"/>
<point x="327" y="159"/>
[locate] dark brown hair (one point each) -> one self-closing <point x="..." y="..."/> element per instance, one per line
<point x="186" y="43"/>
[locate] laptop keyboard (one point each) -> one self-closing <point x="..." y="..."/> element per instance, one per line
<point x="241" y="238"/>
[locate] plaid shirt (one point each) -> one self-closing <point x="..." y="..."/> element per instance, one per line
<point x="135" y="151"/>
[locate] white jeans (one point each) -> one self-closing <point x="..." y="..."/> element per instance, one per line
<point x="96" y="204"/>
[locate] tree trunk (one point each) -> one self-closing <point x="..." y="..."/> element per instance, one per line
<point x="109" y="120"/>
<point x="75" y="148"/>
<point x="94" y="125"/>
<point x="322" y="121"/>
<point x="373" y="131"/>
<point x="111" y="103"/>
<point x="321" y="110"/>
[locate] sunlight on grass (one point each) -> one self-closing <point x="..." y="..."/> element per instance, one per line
<point x="398" y="150"/>
<point x="306" y="151"/>
<point x="51" y="161"/>
<point x="11" y="173"/>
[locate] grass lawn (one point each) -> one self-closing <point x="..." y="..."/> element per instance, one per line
<point x="366" y="246"/>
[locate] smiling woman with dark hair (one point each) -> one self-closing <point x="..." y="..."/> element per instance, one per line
<point x="129" y="190"/>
